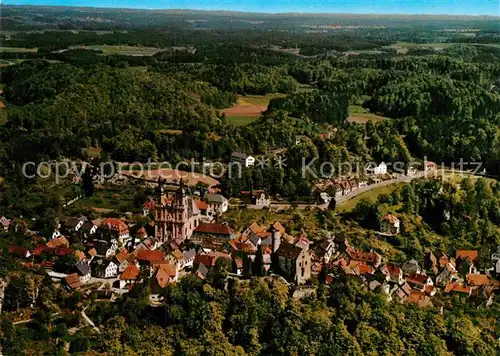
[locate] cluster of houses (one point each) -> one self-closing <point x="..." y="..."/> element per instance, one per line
<point x="417" y="283"/>
<point x="185" y="238"/>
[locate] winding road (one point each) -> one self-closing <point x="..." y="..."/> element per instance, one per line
<point x="353" y="194"/>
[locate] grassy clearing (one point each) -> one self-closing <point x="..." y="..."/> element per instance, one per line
<point x="123" y="50"/>
<point x="370" y="195"/>
<point x="258" y="100"/>
<point x="360" y="115"/>
<point x="248" y="108"/>
<point x="18" y="50"/>
<point x="106" y="200"/>
<point x="305" y="88"/>
<point x="241" y="120"/>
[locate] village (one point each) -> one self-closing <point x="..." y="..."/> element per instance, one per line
<point x="187" y="235"/>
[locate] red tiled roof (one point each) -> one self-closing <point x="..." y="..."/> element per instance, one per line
<point x="415" y="296"/>
<point x="477" y="279"/>
<point x="165" y="274"/>
<point x="219" y="229"/>
<point x="148" y="255"/>
<point x="463" y="254"/>
<point x="72" y="280"/>
<point x="364" y="269"/>
<point x="58" y="242"/>
<point x="19" y="251"/>
<point x="391" y="218"/>
<point x="277" y="225"/>
<point x="393" y="270"/>
<point x="120" y="256"/>
<point x="255" y="228"/>
<point x="456" y="287"/>
<point x="417" y="278"/>
<point x="357" y="255"/>
<point x="116" y="225"/>
<point x="131" y="272"/>
<point x="207" y="260"/>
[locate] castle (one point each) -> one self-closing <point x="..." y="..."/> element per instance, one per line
<point x="175" y="216"/>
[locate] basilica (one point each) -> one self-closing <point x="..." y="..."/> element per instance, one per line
<point x="176" y="216"/>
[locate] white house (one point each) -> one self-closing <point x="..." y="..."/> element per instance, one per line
<point x="325" y="197"/>
<point x="216" y="204"/>
<point x="243" y="159"/>
<point x="83" y="270"/>
<point x="260" y="198"/>
<point x="73" y="224"/>
<point x="104" y="268"/>
<point x="495" y="260"/>
<point x="88" y="228"/>
<point x="362" y="183"/>
<point x="377" y="170"/>
<point x="5" y="223"/>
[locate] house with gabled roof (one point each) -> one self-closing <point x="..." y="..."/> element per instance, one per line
<point x="477" y="280"/>
<point x="164" y="274"/>
<point x="393" y="273"/>
<point x="465" y="261"/>
<point x="72" y="281"/>
<point x="401" y="292"/>
<point x="118" y="228"/>
<point x="19" y="251"/>
<point x="216" y="204"/>
<point x="457" y="287"/>
<point x="57" y="242"/>
<point x="390" y="225"/>
<point x="371" y="257"/>
<point x="242" y="158"/>
<point x="83" y="270"/>
<point x="419" y="281"/>
<point x="411" y="267"/>
<point x="447" y="274"/>
<point x="431" y="263"/>
<point x="130" y="276"/>
<point x="294" y="261"/>
<point x="103" y="268"/>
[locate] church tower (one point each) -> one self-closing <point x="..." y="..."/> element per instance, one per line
<point x="177" y="216"/>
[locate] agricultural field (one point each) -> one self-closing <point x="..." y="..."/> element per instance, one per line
<point x="370" y="196"/>
<point x="107" y="200"/>
<point x="17" y="50"/>
<point x="359" y="115"/>
<point x="248" y="108"/>
<point x="123" y="50"/>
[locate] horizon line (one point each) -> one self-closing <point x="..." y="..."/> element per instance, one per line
<point x="252" y="12"/>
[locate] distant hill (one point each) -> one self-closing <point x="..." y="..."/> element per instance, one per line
<point x="17" y="17"/>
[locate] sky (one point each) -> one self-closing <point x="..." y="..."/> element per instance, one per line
<point x="451" y="7"/>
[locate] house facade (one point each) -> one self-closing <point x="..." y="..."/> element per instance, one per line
<point x="118" y="228"/>
<point x="243" y="159"/>
<point x="104" y="268"/>
<point x="216" y="204"/>
<point x="390" y="225"/>
<point x="294" y="261"/>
